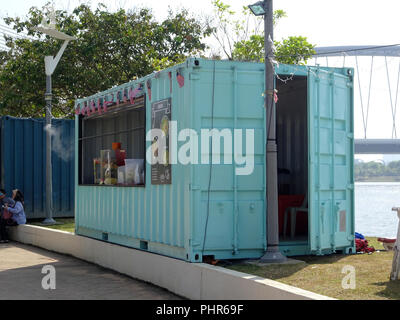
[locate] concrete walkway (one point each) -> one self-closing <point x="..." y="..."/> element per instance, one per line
<point x="21" y="278"/>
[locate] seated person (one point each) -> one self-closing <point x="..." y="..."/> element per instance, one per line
<point x="17" y="214"/>
<point x="5" y="200"/>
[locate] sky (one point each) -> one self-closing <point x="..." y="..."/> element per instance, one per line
<point x="324" y="23"/>
<point x="340" y="22"/>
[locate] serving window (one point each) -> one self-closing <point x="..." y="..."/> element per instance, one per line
<point x="112" y="146"/>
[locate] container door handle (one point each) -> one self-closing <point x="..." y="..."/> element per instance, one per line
<point x="322" y="219"/>
<point x="335" y="222"/>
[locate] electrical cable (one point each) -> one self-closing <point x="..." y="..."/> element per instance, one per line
<point x="350" y="50"/>
<point x="211" y="165"/>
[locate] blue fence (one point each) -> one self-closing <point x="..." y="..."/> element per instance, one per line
<point x="23" y="163"/>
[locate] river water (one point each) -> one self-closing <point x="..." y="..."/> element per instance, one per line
<point x="373" y="203"/>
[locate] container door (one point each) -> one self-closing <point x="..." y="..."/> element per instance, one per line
<point x="331" y="156"/>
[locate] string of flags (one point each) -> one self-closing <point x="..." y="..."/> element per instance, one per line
<point x="122" y="96"/>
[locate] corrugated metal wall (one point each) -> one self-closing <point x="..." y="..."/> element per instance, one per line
<point x="23" y="163"/>
<point x="229" y="209"/>
<point x="156" y="214"/>
<point x="171" y="219"/>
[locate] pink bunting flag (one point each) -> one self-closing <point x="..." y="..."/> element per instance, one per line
<point x="149" y="89"/>
<point x="105" y="104"/>
<point x="125" y="99"/>
<point x="99" y="106"/>
<point x="180" y="79"/>
<point x="92" y="106"/>
<point x="170" y="81"/>
<point x="84" y="109"/>
<point x="118" y="101"/>
<point x="132" y="94"/>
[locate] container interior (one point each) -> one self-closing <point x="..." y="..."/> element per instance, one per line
<point x="292" y="141"/>
<point x="98" y="136"/>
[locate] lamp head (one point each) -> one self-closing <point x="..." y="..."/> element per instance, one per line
<point x="257" y="8"/>
<point x="49" y="28"/>
<point x="54" y="33"/>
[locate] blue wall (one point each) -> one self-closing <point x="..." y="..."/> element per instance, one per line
<point x="23" y="163"/>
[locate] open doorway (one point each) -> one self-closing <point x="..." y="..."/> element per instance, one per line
<point x="292" y="140"/>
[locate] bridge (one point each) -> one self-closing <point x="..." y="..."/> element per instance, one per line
<point x="377" y="146"/>
<point x="365" y="145"/>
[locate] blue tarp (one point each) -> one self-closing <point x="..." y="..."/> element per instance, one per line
<point x="359" y="236"/>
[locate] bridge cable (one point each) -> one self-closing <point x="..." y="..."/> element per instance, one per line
<point x="361" y="98"/>
<point x="394" y="133"/>
<point x="369" y="95"/>
<point x="397" y="94"/>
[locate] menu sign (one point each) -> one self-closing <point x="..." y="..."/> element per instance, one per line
<point x="160" y="119"/>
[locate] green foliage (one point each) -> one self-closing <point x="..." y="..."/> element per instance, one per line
<point x="279" y="14"/>
<point x="229" y="29"/>
<point x="112" y="48"/>
<point x="241" y="42"/>
<point x="294" y="50"/>
<point x="370" y="170"/>
<point x="250" y="50"/>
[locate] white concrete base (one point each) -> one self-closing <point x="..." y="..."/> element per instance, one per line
<point x="190" y="280"/>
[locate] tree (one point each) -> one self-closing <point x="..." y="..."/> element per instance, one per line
<point x="112" y="48"/>
<point x="372" y="170"/>
<point x="243" y="39"/>
<point x="294" y="50"/>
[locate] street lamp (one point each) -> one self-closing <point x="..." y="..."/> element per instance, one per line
<point x="50" y="65"/>
<point x="273" y="255"/>
<point x="258" y="8"/>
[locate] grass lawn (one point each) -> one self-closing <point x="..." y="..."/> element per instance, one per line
<point x="321" y="275"/>
<point x="324" y="275"/>
<point x="67" y="225"/>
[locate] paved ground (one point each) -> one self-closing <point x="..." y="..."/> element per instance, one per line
<point x="21" y="278"/>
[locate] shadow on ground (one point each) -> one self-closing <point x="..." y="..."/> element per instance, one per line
<point x="279" y="271"/>
<point x="21" y="276"/>
<point x="392" y="289"/>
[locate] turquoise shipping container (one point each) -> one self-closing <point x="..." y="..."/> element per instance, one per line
<point x="197" y="209"/>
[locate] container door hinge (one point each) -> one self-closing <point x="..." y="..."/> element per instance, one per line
<point x="350" y="136"/>
<point x="350" y="186"/>
<point x="193" y="187"/>
<point x="193" y="243"/>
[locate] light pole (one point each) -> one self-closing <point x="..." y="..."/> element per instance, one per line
<point x="50" y="65"/>
<point x="273" y="255"/>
